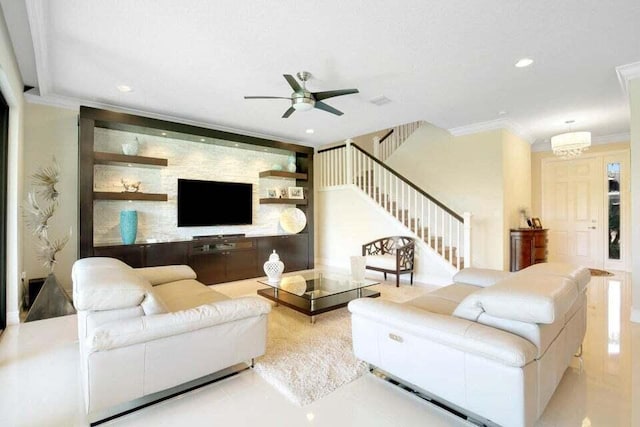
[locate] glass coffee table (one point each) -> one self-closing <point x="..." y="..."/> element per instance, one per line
<point x="315" y="292"/>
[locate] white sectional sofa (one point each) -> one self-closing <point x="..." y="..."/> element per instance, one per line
<point x="148" y="330"/>
<point x="493" y="345"/>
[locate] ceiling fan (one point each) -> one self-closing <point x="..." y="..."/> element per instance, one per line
<point x="303" y="100"/>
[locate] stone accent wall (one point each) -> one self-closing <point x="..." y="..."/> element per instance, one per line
<point x="190" y="160"/>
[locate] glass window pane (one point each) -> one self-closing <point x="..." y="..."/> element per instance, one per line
<point x="613" y="176"/>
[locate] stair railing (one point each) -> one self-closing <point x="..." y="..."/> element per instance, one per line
<point x="385" y="146"/>
<point x="428" y="219"/>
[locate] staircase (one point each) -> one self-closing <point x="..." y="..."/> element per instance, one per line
<point x="392" y="140"/>
<point x="429" y="221"/>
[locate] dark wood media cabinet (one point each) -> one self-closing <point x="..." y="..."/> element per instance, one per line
<point x="217" y="259"/>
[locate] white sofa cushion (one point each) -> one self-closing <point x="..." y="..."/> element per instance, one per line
<point x="127" y="332"/>
<point x="580" y="275"/>
<point x="185" y="294"/>
<point x="107" y="284"/>
<point x="480" y="276"/>
<point x="385" y="262"/>
<point x="443" y="300"/>
<point x="153" y="305"/>
<point x="166" y="273"/>
<point x="525" y="298"/>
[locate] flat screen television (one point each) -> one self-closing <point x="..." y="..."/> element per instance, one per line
<point x="202" y="203"/>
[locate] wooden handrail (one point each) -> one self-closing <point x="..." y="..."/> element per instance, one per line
<point x="324" y="150"/>
<point x="409" y="183"/>
<point x="387" y="135"/>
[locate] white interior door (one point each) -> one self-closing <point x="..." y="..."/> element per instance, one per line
<point x="572" y="204"/>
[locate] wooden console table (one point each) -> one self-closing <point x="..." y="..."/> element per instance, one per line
<point x="528" y="247"/>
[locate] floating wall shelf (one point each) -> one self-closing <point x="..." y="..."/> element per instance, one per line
<point x="282" y="174"/>
<point x="109" y="195"/>
<point x="101" y="158"/>
<point x="284" y="201"/>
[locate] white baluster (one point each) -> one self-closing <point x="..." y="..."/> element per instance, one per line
<point x="422" y="217"/>
<point x="467" y="239"/>
<point x="450" y="239"/>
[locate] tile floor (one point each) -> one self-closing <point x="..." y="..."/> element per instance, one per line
<point x="39" y="383"/>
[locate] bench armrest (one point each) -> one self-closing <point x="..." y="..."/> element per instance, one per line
<point x="464" y="335"/>
<point x="122" y="333"/>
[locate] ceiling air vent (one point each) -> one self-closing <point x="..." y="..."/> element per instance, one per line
<point x="380" y="100"/>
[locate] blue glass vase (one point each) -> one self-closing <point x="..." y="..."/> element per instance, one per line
<point x="128" y="226"/>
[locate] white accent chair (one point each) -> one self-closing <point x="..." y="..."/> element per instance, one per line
<point x="493" y="345"/>
<point x="145" y="331"/>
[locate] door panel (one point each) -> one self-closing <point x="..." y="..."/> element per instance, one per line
<point x="572" y="194"/>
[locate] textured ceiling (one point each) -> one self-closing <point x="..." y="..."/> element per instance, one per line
<point x="449" y="62"/>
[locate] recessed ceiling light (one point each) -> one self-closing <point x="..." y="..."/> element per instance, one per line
<point x="124" y="88"/>
<point x="524" y="62"/>
<point x="236" y="145"/>
<point x="202" y="139"/>
<point x="309" y="131"/>
<point x="163" y="134"/>
<point x="502" y="113"/>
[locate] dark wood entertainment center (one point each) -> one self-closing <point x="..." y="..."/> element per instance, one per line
<point x="215" y="259"/>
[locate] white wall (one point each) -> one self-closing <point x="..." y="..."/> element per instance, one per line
<point x="52" y="132"/>
<point x="347" y="219"/>
<point x="465" y="173"/>
<point x="11" y="87"/>
<point x="516" y="167"/>
<point x="634" y="99"/>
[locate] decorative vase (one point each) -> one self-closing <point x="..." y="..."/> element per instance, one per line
<point x="274" y="267"/>
<point x="291" y="166"/>
<point x="131" y="148"/>
<point x="128" y="226"/>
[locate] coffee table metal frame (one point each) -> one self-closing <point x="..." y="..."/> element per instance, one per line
<point x="325" y="291"/>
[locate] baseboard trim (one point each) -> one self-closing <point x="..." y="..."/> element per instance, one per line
<point x="635" y="315"/>
<point x="13" y="317"/>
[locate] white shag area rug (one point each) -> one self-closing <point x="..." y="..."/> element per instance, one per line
<point x="307" y="361"/>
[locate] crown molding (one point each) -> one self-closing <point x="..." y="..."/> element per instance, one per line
<point x="69" y="103"/>
<point x="611" y="138"/>
<point x="490" y="125"/>
<point x="626" y="73"/>
<point x="36" y="12"/>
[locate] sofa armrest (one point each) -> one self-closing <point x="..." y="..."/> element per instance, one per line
<point x="127" y="332"/>
<point x="166" y="273"/>
<point x="464" y="335"/>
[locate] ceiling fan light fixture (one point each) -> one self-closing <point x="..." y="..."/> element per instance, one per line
<point x="302" y="104"/>
<point x="570" y="144"/>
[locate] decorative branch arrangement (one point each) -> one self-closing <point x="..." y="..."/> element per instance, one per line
<point x="38" y="216"/>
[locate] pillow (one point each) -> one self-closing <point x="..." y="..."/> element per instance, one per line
<point x="480" y="276"/>
<point x="166" y="273"/>
<point x="106" y="284"/>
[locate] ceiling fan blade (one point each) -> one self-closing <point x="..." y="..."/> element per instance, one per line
<point x="328" y="108"/>
<point x="319" y="96"/>
<point x="292" y="82"/>
<point x="267" y="97"/>
<point x="288" y="112"/>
